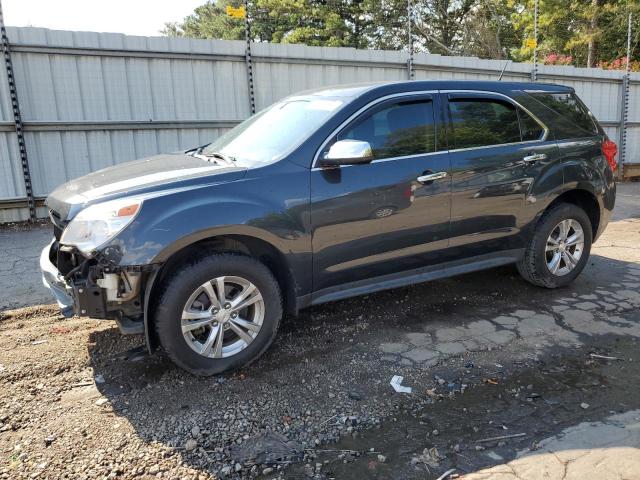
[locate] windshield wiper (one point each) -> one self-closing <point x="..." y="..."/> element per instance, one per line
<point x="198" y="153"/>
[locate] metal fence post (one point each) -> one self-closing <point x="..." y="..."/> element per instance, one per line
<point x="410" y="71"/>
<point x="26" y="174"/>
<point x="534" y="71"/>
<point x="247" y="58"/>
<point x="624" y="107"/>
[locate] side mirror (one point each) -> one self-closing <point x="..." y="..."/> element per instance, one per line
<point x="348" y="152"/>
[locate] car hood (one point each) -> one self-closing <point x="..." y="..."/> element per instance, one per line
<point x="144" y="176"/>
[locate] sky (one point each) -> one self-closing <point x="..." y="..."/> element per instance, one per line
<point x="133" y="17"/>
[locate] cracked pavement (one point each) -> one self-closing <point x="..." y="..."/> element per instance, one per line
<point x="605" y="450"/>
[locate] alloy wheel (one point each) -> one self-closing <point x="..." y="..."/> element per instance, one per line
<point x="564" y="247"/>
<point x="222" y="316"/>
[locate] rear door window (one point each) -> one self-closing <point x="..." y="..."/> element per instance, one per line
<point x="531" y="130"/>
<point x="480" y="122"/>
<point x="396" y="130"/>
<point x="575" y="118"/>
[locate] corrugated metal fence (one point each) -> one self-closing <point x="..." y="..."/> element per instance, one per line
<point x="90" y="100"/>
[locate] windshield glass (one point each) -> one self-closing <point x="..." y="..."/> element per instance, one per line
<point x="276" y="131"/>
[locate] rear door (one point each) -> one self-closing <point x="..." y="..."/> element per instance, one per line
<point x="498" y="150"/>
<point x="380" y="218"/>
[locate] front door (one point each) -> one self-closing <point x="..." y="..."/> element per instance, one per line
<point x="380" y="218"/>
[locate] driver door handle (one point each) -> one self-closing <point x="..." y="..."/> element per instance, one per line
<point x="534" y="157"/>
<point x="431" y="177"/>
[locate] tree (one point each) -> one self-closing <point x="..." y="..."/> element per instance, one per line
<point x="585" y="32"/>
<point x="337" y="23"/>
<point x="590" y="32"/>
<point x="487" y="31"/>
<point x="209" y="21"/>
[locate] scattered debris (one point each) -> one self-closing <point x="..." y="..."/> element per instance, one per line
<point x="396" y="383"/>
<point x="39" y="342"/>
<point x="137" y="354"/>
<point x="190" y="445"/>
<point x="329" y="419"/>
<point x="81" y="384"/>
<point x="490" y="381"/>
<point x="584" y="405"/>
<point x="603" y="357"/>
<point x="382" y="458"/>
<point x="99" y="378"/>
<point x="430" y="457"/>
<point x="355" y="395"/>
<point x="501" y="437"/>
<point x="342" y="451"/>
<point x="446" y="474"/>
<point x="267" y="448"/>
<point x="57" y="329"/>
<point x="349" y="420"/>
<point x="101" y="401"/>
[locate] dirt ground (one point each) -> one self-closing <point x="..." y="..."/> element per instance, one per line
<point x="552" y="374"/>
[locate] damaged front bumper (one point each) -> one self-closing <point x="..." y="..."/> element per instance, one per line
<point x="55" y="282"/>
<point x="93" y="288"/>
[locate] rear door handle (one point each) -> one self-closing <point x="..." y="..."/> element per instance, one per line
<point x="431" y="177"/>
<point x="535" y="157"/>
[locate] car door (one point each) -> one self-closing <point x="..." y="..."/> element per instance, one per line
<point x="378" y="218"/>
<point x="498" y="149"/>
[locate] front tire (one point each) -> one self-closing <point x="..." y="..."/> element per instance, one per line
<point x="559" y="249"/>
<point x="218" y="314"/>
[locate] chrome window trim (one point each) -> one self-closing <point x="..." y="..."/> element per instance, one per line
<point x="381" y="160"/>
<point x="544" y="137"/>
<point x="513" y="102"/>
<point x="455" y="150"/>
<point x="545" y="91"/>
<point x="363" y="109"/>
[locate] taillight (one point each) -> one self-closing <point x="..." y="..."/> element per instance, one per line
<point x="609" y="150"/>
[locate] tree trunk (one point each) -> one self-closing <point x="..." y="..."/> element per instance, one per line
<point x="593" y="27"/>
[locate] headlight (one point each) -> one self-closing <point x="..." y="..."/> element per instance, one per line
<point x="99" y="223"/>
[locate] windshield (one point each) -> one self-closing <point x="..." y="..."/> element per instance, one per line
<point x="275" y="131"/>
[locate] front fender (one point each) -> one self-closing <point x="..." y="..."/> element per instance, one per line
<point x="169" y="223"/>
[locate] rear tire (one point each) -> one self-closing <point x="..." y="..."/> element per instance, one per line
<point x="557" y="237"/>
<point x="202" y="330"/>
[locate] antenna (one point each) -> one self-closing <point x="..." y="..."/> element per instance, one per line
<point x="503" y="69"/>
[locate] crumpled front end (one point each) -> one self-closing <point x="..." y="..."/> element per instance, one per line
<point x="94" y="286"/>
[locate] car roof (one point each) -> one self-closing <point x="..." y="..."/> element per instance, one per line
<point x="351" y="91"/>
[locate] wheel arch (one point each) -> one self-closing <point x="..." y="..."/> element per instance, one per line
<point x="584" y="199"/>
<point x="249" y="245"/>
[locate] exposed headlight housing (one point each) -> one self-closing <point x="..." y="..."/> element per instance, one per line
<point x="97" y="224"/>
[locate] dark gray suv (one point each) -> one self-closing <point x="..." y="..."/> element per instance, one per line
<point x="326" y="195"/>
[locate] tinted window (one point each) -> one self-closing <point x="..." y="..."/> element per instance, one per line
<point x="482" y="122"/>
<point x="396" y="130"/>
<point x="575" y="121"/>
<point x="531" y="130"/>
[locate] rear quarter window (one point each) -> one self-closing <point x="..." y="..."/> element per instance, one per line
<point x="574" y="118"/>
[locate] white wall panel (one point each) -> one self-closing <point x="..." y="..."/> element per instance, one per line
<point x="87" y="84"/>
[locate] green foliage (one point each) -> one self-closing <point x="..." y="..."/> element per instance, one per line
<point x="209" y="21"/>
<point x="581" y="32"/>
<point x="574" y="27"/>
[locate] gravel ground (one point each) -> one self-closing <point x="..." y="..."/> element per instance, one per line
<point x="486" y="354"/>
